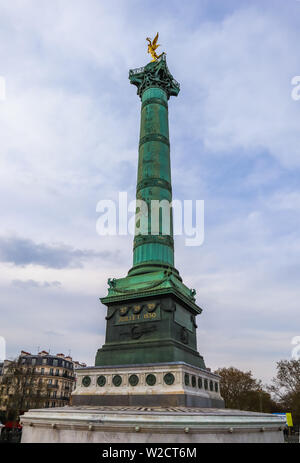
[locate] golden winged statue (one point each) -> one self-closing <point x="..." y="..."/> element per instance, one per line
<point x="152" y="47"/>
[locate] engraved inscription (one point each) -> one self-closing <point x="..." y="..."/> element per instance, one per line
<point x="138" y="313"/>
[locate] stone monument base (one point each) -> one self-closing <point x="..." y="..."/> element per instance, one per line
<point x="149" y="425"/>
<point x="157" y="384"/>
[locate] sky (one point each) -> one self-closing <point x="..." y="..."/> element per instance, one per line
<point x="69" y="128"/>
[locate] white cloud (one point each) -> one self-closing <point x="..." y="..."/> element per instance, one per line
<point x="69" y="134"/>
<point x="238" y="75"/>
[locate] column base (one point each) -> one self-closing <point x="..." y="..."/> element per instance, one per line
<point x="162" y="384"/>
<point x="132" y="425"/>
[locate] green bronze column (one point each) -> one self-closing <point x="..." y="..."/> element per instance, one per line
<point x="154" y="250"/>
<point x="150" y="355"/>
<point x="151" y="313"/>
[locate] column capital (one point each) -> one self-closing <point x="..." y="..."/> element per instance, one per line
<point x="154" y="74"/>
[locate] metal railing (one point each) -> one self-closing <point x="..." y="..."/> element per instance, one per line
<point x="11" y="436"/>
<point x="142" y="69"/>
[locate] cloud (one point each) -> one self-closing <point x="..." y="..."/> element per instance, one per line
<point x="23" y="251"/>
<point x="62" y="320"/>
<point x="69" y="137"/>
<point x="241" y="80"/>
<point x="53" y="333"/>
<point x="29" y="284"/>
<point x="286" y="200"/>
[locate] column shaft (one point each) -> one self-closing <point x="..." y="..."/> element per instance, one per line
<point x="154" y="181"/>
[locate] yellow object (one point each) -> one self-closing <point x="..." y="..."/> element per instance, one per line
<point x="289" y="420"/>
<point x="153" y="45"/>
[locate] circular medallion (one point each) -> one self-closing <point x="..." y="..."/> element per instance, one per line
<point x="150" y="380"/>
<point x="151" y="306"/>
<point x="86" y="381"/>
<point x="133" y="380"/>
<point x="137" y="308"/>
<point x="194" y="381"/>
<point x="101" y="381"/>
<point x="117" y="380"/>
<point x="123" y="311"/>
<point x="200" y="383"/>
<point x="169" y="379"/>
<point x="186" y="379"/>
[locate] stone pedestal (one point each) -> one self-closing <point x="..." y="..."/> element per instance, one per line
<point x="149" y="425"/>
<point x="160" y="384"/>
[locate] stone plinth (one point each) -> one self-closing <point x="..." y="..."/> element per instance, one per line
<point x="161" y="384"/>
<point x="149" y="425"/>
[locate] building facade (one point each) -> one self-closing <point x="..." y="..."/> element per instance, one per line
<point x="47" y="381"/>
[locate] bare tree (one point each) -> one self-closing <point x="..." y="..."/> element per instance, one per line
<point x="241" y="391"/>
<point x="21" y="388"/>
<point x="286" y="387"/>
